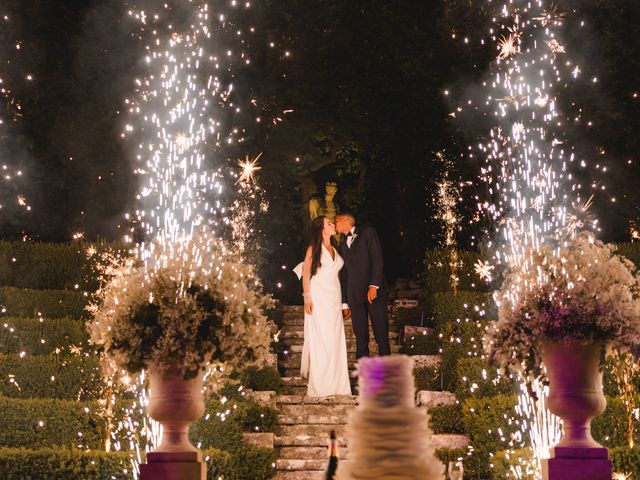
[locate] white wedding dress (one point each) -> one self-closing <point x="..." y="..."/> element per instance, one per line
<point x="324" y="353"/>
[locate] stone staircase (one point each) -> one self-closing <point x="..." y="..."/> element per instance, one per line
<point x="304" y="422"/>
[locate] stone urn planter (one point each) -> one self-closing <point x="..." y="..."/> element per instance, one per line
<point x="576" y="396"/>
<point x="175" y="403"/>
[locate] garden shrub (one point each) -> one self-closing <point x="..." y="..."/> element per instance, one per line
<point x="630" y="251"/>
<point x="437" y="272"/>
<point x="503" y="461"/>
<point x="427" y="378"/>
<point x="447" y="419"/>
<point x="626" y="460"/>
<point x="26" y="335"/>
<point x="21" y="302"/>
<point x="414" y="316"/>
<point x="449" y="307"/>
<point x="459" y="339"/>
<point x="446" y="455"/>
<point x="261" y="379"/>
<point x="66" y="464"/>
<point x="44" y="423"/>
<point x="486" y="423"/>
<point x="477" y="379"/>
<point x="46" y="266"/>
<point x="222" y="425"/>
<point x="63" y="464"/>
<point x="51" y="376"/>
<point x="610" y="428"/>
<point x="421" y="344"/>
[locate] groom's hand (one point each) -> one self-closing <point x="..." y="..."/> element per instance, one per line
<point x="372" y="294"/>
<point x="346" y="313"/>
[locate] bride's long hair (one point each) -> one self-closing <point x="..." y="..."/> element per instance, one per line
<point x="317" y="226"/>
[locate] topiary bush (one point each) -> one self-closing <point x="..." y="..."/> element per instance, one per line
<point x="47" y="266"/>
<point x="486" y="423"/>
<point x="477" y="379"/>
<point x="611" y="428"/>
<point x="21" y="302"/>
<point x="48" y="423"/>
<point x="626" y="460"/>
<point x="223" y="423"/>
<point x="460" y="339"/>
<point x="27" y="334"/>
<point x="421" y="344"/>
<point x="63" y="464"/>
<point x="51" y="376"/>
<point x="437" y="271"/>
<point x="450" y="307"/>
<point x="427" y="378"/>
<point x="447" y="419"/>
<point x="261" y="379"/>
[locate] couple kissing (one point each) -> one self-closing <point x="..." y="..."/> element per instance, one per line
<point x="341" y="281"/>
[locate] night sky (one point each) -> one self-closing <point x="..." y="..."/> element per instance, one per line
<point x="365" y="82"/>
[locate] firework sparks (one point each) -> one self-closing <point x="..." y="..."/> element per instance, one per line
<point x="528" y="163"/>
<point x="484" y="270"/>
<point x="248" y="169"/>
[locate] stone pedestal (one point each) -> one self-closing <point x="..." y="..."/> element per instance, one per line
<point x="577" y="464"/>
<point x="174" y="466"/>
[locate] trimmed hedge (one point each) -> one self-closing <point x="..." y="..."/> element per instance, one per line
<point x="437" y="272"/>
<point x="21" y="302"/>
<point x="447" y="419"/>
<point x="261" y="379"/>
<point x="50" y="423"/>
<point x="421" y="345"/>
<point x="471" y="382"/>
<point x="631" y="251"/>
<point x="47" y="266"/>
<point x="427" y="378"/>
<point x="484" y="419"/>
<point x="450" y="307"/>
<point x="224" y="432"/>
<point x="610" y="428"/>
<point x="63" y="464"/>
<point x="626" y="460"/>
<point x="26" y="335"/>
<point x="459" y="340"/>
<point x="51" y="376"/>
<point x="446" y="455"/>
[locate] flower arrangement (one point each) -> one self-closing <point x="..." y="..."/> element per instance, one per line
<point x="579" y="290"/>
<point x="196" y="303"/>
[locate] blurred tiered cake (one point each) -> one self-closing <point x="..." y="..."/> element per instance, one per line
<point x="387" y="435"/>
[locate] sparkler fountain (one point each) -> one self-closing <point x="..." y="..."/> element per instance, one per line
<point x="534" y="199"/>
<point x="177" y="123"/>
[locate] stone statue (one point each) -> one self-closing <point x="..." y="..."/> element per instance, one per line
<point x="326" y="206"/>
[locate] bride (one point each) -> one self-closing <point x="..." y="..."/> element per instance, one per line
<point x="324" y="353"/>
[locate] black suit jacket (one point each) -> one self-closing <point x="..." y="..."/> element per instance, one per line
<point x="363" y="266"/>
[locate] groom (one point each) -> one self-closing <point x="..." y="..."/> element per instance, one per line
<point x="364" y="289"/>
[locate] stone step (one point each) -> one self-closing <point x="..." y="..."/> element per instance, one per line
<point x="292" y="360"/>
<point x="298" y="322"/>
<point x="290" y="474"/>
<point x="351" y="347"/>
<point x="306" y="441"/>
<point x="306" y="400"/>
<point x="316" y="430"/>
<point x="302" y="464"/>
<point x="445" y="440"/>
<point x="291" y="336"/>
<point x="305" y="453"/>
<point x="328" y="421"/>
<point x="431" y="399"/>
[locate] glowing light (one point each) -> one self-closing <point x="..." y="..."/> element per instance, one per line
<point x="248" y="169"/>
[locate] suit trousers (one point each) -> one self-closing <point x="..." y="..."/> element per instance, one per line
<point x="379" y="314"/>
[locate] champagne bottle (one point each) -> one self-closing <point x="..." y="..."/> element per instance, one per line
<point x="333" y="456"/>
